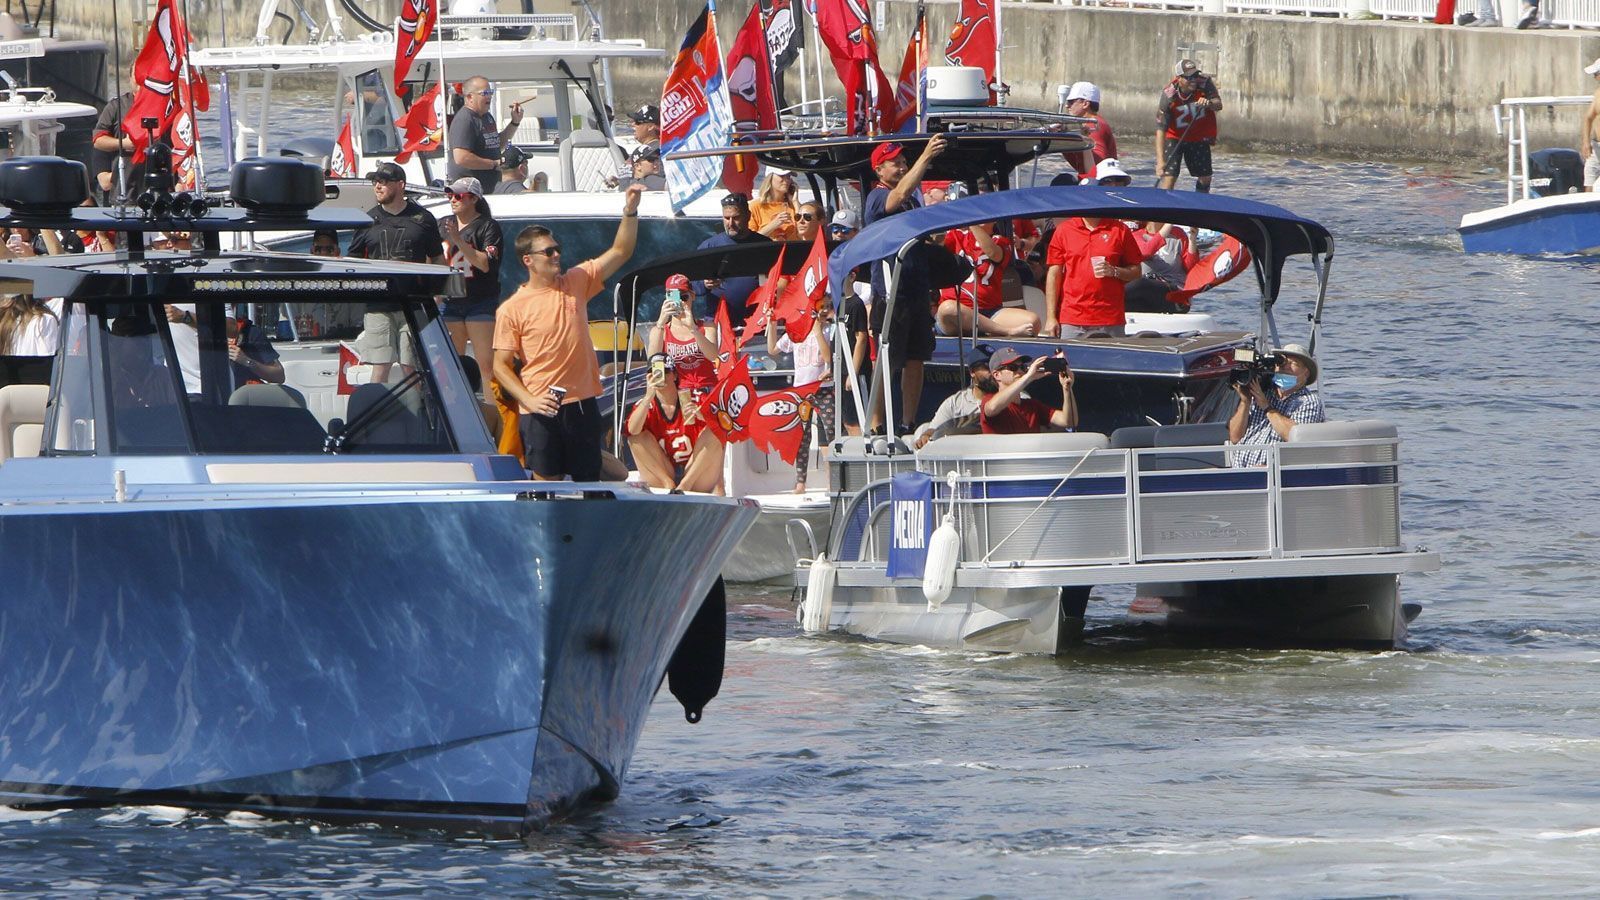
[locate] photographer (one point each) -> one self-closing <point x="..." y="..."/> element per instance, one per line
<point x="1007" y="411"/>
<point x="684" y="342"/>
<point x="1260" y="419"/>
<point x="671" y="444"/>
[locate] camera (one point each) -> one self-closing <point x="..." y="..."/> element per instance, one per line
<point x="1250" y="367"/>
<point x="1055" y="365"/>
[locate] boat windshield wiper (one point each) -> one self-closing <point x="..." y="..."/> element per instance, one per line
<point x="373" y="414"/>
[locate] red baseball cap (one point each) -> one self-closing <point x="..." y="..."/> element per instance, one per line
<point x="885" y="152"/>
<point x="678" y="283"/>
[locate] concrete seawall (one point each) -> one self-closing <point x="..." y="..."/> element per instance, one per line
<point x="1385" y="90"/>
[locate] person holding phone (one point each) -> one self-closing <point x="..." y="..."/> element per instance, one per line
<point x="545" y="324"/>
<point x="676" y="334"/>
<point x="1007" y="410"/>
<point x="671" y="444"/>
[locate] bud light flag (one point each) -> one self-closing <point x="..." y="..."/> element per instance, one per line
<point x="910" y="523"/>
<point x="695" y="114"/>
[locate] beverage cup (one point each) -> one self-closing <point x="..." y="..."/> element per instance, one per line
<point x="1101" y="270"/>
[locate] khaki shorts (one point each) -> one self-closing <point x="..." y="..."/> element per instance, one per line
<point x="386" y="338"/>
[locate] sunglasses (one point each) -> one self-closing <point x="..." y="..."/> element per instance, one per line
<point x="808" y="217"/>
<point x="839" y="229"/>
<point x="548" y="252"/>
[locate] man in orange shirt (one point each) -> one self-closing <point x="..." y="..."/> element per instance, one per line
<point x="1091" y="261"/>
<point x="546" y="325"/>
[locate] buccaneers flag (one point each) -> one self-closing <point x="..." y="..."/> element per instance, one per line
<point x="972" y="40"/>
<point x="780" y="420"/>
<point x="727" y="409"/>
<point x="913" y="69"/>
<point x="417" y="18"/>
<point x="343" y="162"/>
<point x="751" y="97"/>
<point x="422" y="124"/>
<point x="797" y="308"/>
<point x="1228" y="259"/>
<point x="761" y="301"/>
<point x="165" y="85"/>
<point x="846" y="29"/>
<point x="727" y="348"/>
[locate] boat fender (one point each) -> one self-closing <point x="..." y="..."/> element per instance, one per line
<point x="817" y="608"/>
<point x="694" y="674"/>
<point x="939" y="572"/>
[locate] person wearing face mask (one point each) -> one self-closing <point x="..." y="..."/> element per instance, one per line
<point x="1261" y="419"/>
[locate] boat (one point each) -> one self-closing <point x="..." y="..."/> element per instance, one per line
<point x="221" y="599"/>
<point x="1547" y="209"/>
<point x="33" y="119"/>
<point x="1303" y="551"/>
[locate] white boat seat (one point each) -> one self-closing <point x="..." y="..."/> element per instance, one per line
<point x="1357" y="429"/>
<point x="1042" y="444"/>
<point x="275" y="395"/>
<point x="588" y="159"/>
<point x="26" y="440"/>
<point x="20" y="405"/>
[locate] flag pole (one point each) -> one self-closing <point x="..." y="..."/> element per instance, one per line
<point x="822" y="89"/>
<point x="188" y="106"/>
<point x="444" y="100"/>
<point x="1000" y="90"/>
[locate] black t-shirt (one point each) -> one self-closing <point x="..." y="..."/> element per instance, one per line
<point x="412" y="235"/>
<point x="477" y="134"/>
<point x="110" y="123"/>
<point x="483" y="234"/>
<point x="734" y="293"/>
<point x="913" y="286"/>
<point x="853" y="314"/>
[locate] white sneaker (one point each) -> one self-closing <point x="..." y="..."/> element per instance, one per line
<point x="1483" y="23"/>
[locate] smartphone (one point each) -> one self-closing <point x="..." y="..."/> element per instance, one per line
<point x="1055" y="365"/>
<point x="658" y="370"/>
<point x="674" y="308"/>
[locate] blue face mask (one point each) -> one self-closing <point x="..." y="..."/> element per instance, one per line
<point x="1283" y="381"/>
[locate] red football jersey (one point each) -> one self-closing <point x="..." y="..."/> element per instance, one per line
<point x="987" y="274"/>
<point x="674" y="435"/>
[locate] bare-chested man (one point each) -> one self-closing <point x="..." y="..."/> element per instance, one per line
<point x="1589" y="141"/>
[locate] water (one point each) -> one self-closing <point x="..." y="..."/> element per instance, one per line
<point x="1462" y="764"/>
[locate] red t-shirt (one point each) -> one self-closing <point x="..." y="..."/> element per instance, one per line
<point x="1087" y="301"/>
<point x="1105" y="144"/>
<point x="986" y="273"/>
<point x="1024" y="416"/>
<point x="674" y="435"/>
<point x="696" y="372"/>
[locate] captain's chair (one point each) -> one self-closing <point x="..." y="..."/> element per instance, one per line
<point x="588" y="161"/>
<point x="22" y="419"/>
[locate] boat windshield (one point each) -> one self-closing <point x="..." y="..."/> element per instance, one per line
<point x="152" y="378"/>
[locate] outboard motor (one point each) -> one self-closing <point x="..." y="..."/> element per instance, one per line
<point x="1555" y="171"/>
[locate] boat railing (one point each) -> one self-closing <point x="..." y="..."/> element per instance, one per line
<point x="1511" y="123"/>
<point x="1333" y="490"/>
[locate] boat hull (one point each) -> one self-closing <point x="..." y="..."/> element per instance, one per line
<point x="477" y="662"/>
<point x="1567" y="223"/>
<point x="765" y="553"/>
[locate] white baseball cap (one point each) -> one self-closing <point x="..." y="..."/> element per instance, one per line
<point x="1592" y="68"/>
<point x="1110" y="168"/>
<point x="1084" y="90"/>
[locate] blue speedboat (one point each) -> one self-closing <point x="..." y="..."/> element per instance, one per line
<point x="1547" y="209"/>
<point x="219" y="598"/>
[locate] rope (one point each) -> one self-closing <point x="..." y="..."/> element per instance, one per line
<point x="1029" y="517"/>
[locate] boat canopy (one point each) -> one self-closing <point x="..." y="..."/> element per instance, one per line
<point x="1271" y="233"/>
<point x="970" y="156"/>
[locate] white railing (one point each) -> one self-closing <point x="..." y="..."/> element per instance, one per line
<point x="1296" y="7"/>
<point x="1563" y="13"/>
<point x="1420" y="10"/>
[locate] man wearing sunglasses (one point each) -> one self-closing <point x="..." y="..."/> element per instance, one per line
<point x="1006" y="410"/>
<point x="545" y="324"/>
<point x="475" y="143"/>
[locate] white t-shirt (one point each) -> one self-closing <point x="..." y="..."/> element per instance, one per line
<point x="186" y="343"/>
<point x="809" y="361"/>
<point x="40" y="337"/>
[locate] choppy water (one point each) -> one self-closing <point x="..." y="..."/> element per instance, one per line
<point x="1464" y="764"/>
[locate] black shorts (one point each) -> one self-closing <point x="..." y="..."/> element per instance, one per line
<point x="567" y="443"/>
<point x="1195" y="154"/>
<point x="909" y="333"/>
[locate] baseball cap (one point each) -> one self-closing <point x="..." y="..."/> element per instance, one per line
<point x="512" y="158"/>
<point x="845" y="218"/>
<point x="387" y="171"/>
<point x="468" y="185"/>
<point x="662" y="358"/>
<point x="1083" y="90"/>
<point x="646" y="113"/>
<point x="978" y="359"/>
<point x="645" y="152"/>
<point x="677" y="283"/>
<point x="1186" y="68"/>
<point x="885" y="152"/>
<point x="1006" y="356"/>
<point x="736" y="199"/>
<point x="1110" y="168"/>
<point x="1592" y="68"/>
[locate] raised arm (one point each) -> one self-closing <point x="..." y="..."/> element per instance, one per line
<point x="1067" y="416"/>
<point x="898" y="194"/>
<point x="627" y="237"/>
<point x="987" y="243"/>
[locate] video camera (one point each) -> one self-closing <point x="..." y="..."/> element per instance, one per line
<point x="1250" y="367"/>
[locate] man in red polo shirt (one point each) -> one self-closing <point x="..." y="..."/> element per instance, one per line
<point x="1007" y="411"/>
<point x="1090" y="260"/>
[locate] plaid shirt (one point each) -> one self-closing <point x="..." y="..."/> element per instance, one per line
<point x="1302" y="407"/>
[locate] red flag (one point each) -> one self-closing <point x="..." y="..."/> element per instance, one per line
<point x="750" y="95"/>
<point x="417" y="18"/>
<point x="972" y="40"/>
<point x="347" y="358"/>
<point x="780" y="420"/>
<point x="797" y="308"/>
<point x="160" y="72"/>
<point x="761" y="301"/>
<point x="422" y="124"/>
<point x="727" y="349"/>
<point x="912" y="69"/>
<point x="343" y="162"/>
<point x="727" y="408"/>
<point x="846" y="29"/>
<point x="1227" y="260"/>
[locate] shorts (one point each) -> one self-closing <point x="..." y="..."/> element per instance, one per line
<point x="909" y="334"/>
<point x="385" y="339"/>
<point x="567" y="443"/>
<point x="458" y="309"/>
<point x="1195" y="154"/>
<point x="1591" y="166"/>
<point x="1076" y="331"/>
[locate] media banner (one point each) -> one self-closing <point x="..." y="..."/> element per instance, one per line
<point x="910" y="523"/>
